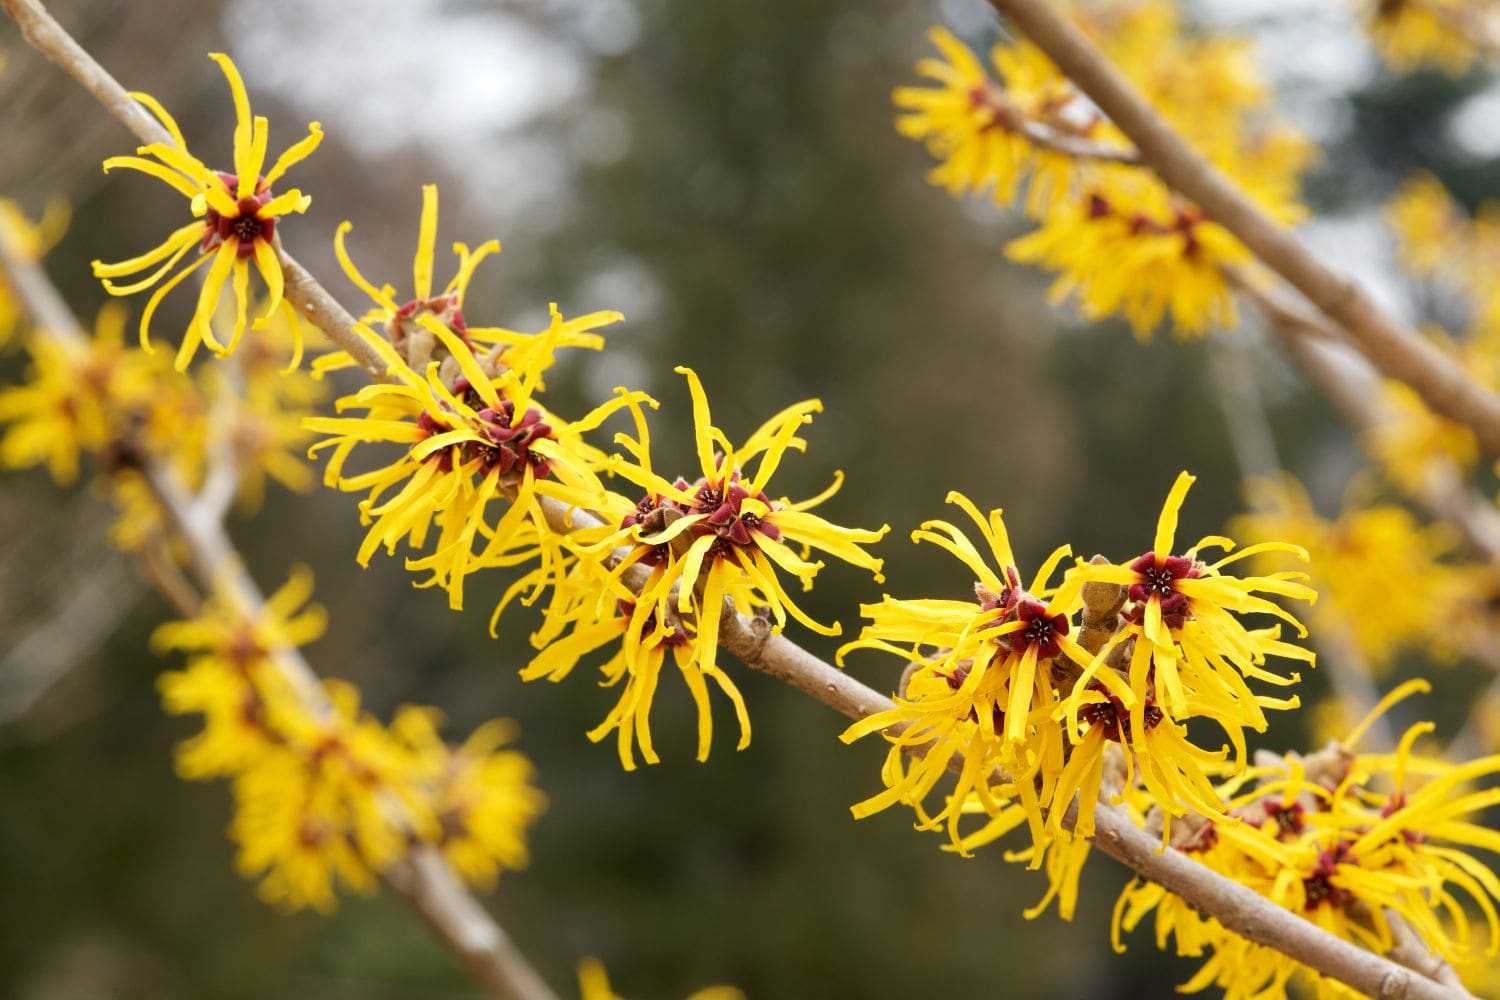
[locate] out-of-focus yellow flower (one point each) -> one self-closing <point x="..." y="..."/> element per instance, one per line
<point x="1412" y="439"/>
<point x="1387" y="581"/>
<point x="480" y="795"/>
<point x="974" y="125"/>
<point x="78" y="399"/>
<point x="1134" y="249"/>
<point x="236" y="215"/>
<point x="327" y="795"/>
<point x="712" y="546"/>
<point x="29" y="241"/>
<point x="1449" y="35"/>
<point x="1122" y="242"/>
<point x="256" y="408"/>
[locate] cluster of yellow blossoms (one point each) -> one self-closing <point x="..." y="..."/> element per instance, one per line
<point x="122" y="405"/>
<point x="999" y="691"/>
<point x="1449" y="35"/>
<point x="1120" y="240"/>
<point x="488" y="476"/>
<point x="329" y="796"/>
<point x="1372" y="847"/>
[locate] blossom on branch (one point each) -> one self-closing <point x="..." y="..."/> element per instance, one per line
<point x="236" y="214"/>
<point x="710" y="547"/>
<point x="324" y="794"/>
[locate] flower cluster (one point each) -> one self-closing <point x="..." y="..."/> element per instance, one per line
<point x="697" y="550"/>
<point x="235" y="218"/>
<point x="122" y="405"/>
<point x="473" y="431"/>
<point x="331" y="796"/>
<point x="1120" y="240"/>
<point x="999" y="690"/>
<point x="1372" y="847"/>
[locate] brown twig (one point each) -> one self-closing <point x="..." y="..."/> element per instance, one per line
<point x="1390" y="345"/>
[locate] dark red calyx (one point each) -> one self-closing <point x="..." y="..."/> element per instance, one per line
<point x="1288" y="819"/>
<point x="245" y="225"/>
<point x="723" y="504"/>
<point x="1112" y="717"/>
<point x="1319" y="888"/>
<point x="1038" y="629"/>
<point x="510" y="441"/>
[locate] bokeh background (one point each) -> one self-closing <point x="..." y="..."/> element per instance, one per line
<point x="726" y="174"/>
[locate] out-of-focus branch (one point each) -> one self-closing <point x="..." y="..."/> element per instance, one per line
<point x="1442" y="494"/>
<point x="1348" y="383"/>
<point x="40" y="657"/>
<point x="1389" y="344"/>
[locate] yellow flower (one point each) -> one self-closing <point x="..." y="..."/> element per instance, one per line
<point x="594" y="615"/>
<point x="77" y="399"/>
<point x="30" y="242"/>
<point x="712" y="547"/>
<point x="1444" y="34"/>
<point x="1181" y="653"/>
<point x="236" y="215"/>
<point x="484" y="438"/>
<point x="1183" y="613"/>
<point x="974" y="124"/>
<point x="481" y="796"/>
<point x="407" y="325"/>
<point x="986" y="686"/>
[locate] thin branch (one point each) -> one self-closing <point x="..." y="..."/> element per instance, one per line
<point x="39" y="658"/>
<point x="1389" y="344"/>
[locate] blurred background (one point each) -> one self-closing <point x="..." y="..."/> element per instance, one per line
<point x="727" y="175"/>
